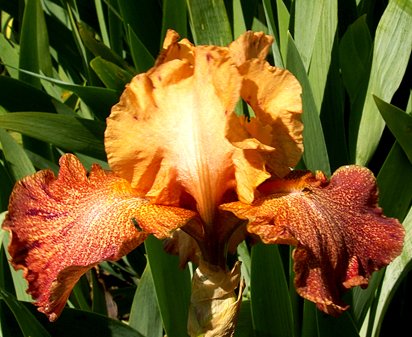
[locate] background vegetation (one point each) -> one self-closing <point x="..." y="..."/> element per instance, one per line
<point x="64" y="64"/>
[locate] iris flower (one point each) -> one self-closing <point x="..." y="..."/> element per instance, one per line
<point x="186" y="167"/>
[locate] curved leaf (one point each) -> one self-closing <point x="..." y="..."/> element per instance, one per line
<point x="27" y="322"/>
<point x="270" y="302"/>
<point x="391" y="53"/>
<point x="209" y="22"/>
<point x="144" y="315"/>
<point x="172" y="288"/>
<point x="400" y="124"/>
<point x="74" y="134"/>
<point x="394" y="274"/>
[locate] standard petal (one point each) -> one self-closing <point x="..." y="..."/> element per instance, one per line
<point x="173" y="121"/>
<point x="276" y="132"/>
<point x="183" y="137"/>
<point x="340" y="232"/>
<point x="274" y="94"/>
<point x="61" y="227"/>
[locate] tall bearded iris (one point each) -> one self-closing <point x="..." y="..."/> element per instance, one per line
<point x="185" y="166"/>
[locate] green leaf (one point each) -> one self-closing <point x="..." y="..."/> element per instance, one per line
<point x="283" y="22"/>
<point x="40" y="162"/>
<point x="333" y="115"/>
<point x="19" y="283"/>
<point x="145" y="315"/>
<point x="98" y="48"/>
<point x="142" y="58"/>
<point x="110" y="74"/>
<point x="8" y="325"/>
<point x="395" y="189"/>
<point x="12" y="90"/>
<point x="75" y="134"/>
<point x="244" y="257"/>
<point x="270" y="302"/>
<point x="392" y="50"/>
<point x="27" y="322"/>
<point x="172" y="286"/>
<point x="115" y="23"/>
<point x="320" y="61"/>
<point x="17" y="160"/>
<point x="400" y="124"/>
<point x="174" y="17"/>
<point x="6" y="279"/>
<point x="394" y="274"/>
<point x="244" y="327"/>
<point x="100" y="100"/>
<point x="34" y="43"/>
<point x="395" y="200"/>
<point x="144" y="18"/>
<point x="209" y="22"/>
<point x="309" y="322"/>
<point x="6" y="187"/>
<point x="315" y="154"/>
<point x="355" y="51"/>
<point x="307" y="20"/>
<point x="9" y="55"/>
<point x="102" y="22"/>
<point x="342" y="326"/>
<point x="74" y="322"/>
<point x="272" y="30"/>
<point x="239" y="25"/>
<point x="99" y="304"/>
<point x="80" y="296"/>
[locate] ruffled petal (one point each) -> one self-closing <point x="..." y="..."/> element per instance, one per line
<point x="250" y="45"/>
<point x="183" y="137"/>
<point x="173" y="121"/>
<point x="276" y="131"/>
<point x="61" y="227"/>
<point x="340" y="232"/>
<point x="274" y="95"/>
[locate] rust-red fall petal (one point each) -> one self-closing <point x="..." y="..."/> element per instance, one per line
<point x="61" y="227"/>
<point x="340" y="232"/>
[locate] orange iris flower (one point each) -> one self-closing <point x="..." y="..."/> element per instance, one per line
<point x="182" y="158"/>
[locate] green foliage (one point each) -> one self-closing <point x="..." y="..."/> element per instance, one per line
<point x="64" y="64"/>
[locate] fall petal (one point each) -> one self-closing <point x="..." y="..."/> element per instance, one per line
<point x="61" y="227"/>
<point x="340" y="232"/>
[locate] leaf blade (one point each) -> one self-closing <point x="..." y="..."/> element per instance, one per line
<point x="393" y="46"/>
<point x="75" y="134"/>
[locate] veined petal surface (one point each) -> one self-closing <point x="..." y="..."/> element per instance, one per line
<point x="340" y="232"/>
<point x="61" y="227"/>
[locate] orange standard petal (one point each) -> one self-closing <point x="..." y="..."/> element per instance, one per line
<point x="340" y="232"/>
<point x="175" y="134"/>
<point x="61" y="227"/>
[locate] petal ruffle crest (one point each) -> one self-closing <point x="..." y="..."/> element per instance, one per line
<point x="340" y="232"/>
<point x="61" y="227"/>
